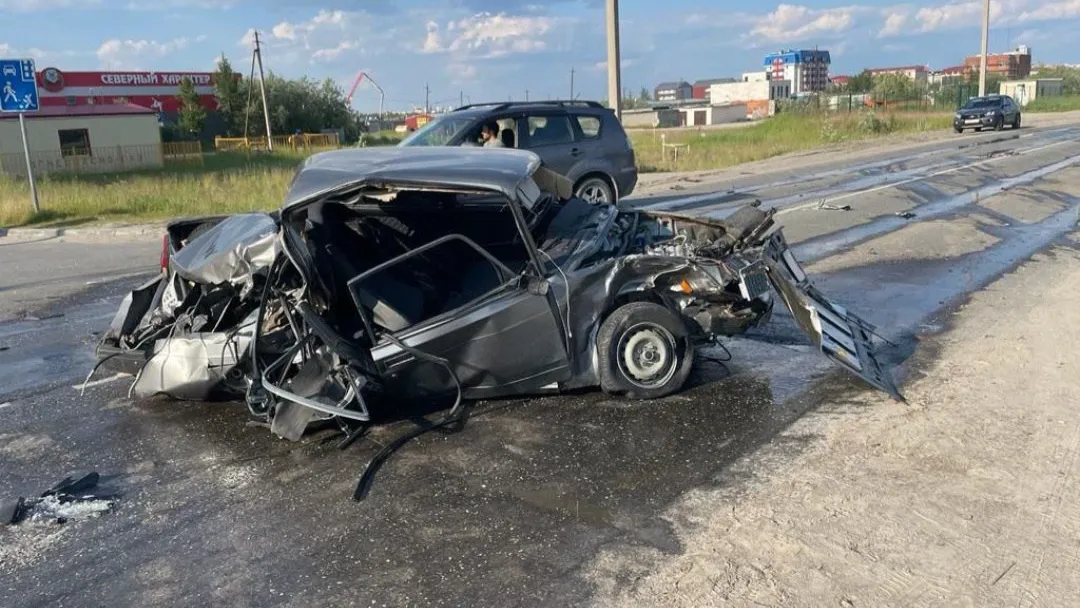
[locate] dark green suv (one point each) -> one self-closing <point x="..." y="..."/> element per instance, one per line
<point x="582" y="140"/>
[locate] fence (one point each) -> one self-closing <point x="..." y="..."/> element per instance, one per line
<point x="302" y="141"/>
<point x="109" y="159"/>
<point x="929" y="98"/>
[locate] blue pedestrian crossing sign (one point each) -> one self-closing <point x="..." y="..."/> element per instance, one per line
<point x="18" y="86"/>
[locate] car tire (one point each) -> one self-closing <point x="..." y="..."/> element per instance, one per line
<point x="595" y="190"/>
<point x="999" y="124"/>
<point x="1016" y="122"/>
<point x="645" y="351"/>
<point x="958" y="129"/>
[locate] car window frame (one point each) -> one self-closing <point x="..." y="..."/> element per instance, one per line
<point x="580" y="131"/>
<point x="547" y="113"/>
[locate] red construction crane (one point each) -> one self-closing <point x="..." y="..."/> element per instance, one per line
<point x="360" y="77"/>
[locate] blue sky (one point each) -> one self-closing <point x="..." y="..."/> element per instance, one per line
<point x="497" y="49"/>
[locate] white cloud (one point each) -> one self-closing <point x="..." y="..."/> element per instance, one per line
<point x="792" y="22"/>
<point x="284" y="31"/>
<point x="160" y="5"/>
<point x="933" y="18"/>
<point x="119" y="54"/>
<point x="485" y="35"/>
<point x="968" y="14"/>
<point x="329" y="35"/>
<point x="1063" y="9"/>
<point x="433" y="40"/>
<point x="895" y="23"/>
<point x="333" y="53"/>
<point x="34" y="6"/>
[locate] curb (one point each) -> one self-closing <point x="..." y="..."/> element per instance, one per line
<point x="134" y="230"/>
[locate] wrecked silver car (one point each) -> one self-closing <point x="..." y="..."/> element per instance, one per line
<point x="404" y="274"/>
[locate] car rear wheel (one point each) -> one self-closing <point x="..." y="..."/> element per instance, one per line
<point x="645" y="351"/>
<point x="595" y="190"/>
<point x="1016" y="122"/>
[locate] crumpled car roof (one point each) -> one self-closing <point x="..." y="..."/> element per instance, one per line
<point x="493" y="169"/>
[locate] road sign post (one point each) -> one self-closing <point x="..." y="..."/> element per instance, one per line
<point x="29" y="165"/>
<point x="19" y="93"/>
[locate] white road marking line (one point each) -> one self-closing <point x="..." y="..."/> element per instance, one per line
<point x="119" y="376"/>
<point x="669" y="204"/>
<point x="977" y="163"/>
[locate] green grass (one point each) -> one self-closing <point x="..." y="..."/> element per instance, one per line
<point x="1065" y="103"/>
<point x="782" y="134"/>
<point x="225" y="183"/>
<point x="236" y="182"/>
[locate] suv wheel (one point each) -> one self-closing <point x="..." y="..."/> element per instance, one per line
<point x="594" y="190"/>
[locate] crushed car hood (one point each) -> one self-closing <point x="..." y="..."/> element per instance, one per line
<point x="496" y="170"/>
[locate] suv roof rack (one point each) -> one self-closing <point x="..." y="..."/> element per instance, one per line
<point x="502" y="105"/>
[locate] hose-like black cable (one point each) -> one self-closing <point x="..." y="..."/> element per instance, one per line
<point x="457" y="415"/>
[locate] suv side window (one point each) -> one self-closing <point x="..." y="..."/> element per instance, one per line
<point x="549" y="130"/>
<point x="590" y="125"/>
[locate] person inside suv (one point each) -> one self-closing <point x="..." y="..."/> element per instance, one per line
<point x="490" y="134"/>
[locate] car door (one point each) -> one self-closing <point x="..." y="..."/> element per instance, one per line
<point x="1014" y="109"/>
<point x="506" y="340"/>
<point x="550" y="134"/>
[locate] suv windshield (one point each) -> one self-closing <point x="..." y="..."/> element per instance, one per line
<point x="438" y="132"/>
<point x="978" y="103"/>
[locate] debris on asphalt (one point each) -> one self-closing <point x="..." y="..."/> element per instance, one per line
<point x="828" y="207"/>
<point x="69" y="499"/>
<point x="907" y="215"/>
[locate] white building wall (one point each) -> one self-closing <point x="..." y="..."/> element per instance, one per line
<point x="730" y="92"/>
<point x="116" y="142"/>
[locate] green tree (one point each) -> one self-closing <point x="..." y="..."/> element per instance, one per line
<point x="861" y="83"/>
<point x="644" y="96"/>
<point x="894" y="86"/>
<point x="192" y="113"/>
<point x="1070" y="77"/>
<point x="229" y="92"/>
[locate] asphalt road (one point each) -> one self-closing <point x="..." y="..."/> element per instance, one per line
<point x="511" y="510"/>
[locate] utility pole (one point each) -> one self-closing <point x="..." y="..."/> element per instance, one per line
<point x="526" y="94"/>
<point x="613" y="68"/>
<point x="262" y="91"/>
<point x="571" y="84"/>
<point x="461" y="98"/>
<point x="427" y="99"/>
<point x="247" y="108"/>
<point x="985" y="45"/>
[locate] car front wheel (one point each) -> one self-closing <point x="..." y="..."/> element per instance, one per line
<point x="645" y="351"/>
<point x="595" y="190"/>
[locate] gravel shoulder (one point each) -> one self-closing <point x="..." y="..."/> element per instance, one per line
<point x="966" y="496"/>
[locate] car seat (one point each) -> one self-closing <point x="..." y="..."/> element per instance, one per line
<point x="507" y="137"/>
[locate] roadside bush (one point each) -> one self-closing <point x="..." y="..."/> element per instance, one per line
<point x="873" y="124"/>
<point x="830" y="133"/>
